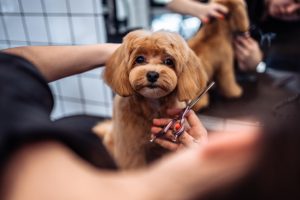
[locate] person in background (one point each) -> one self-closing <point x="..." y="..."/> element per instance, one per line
<point x="274" y="31"/>
<point x="203" y="11"/>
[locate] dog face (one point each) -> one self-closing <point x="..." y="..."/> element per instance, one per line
<point x="155" y="64"/>
<point x="237" y="16"/>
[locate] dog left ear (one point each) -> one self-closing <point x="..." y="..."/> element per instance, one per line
<point x="193" y="78"/>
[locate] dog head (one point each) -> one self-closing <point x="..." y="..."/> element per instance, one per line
<point x="155" y="64"/>
<point x="237" y="15"/>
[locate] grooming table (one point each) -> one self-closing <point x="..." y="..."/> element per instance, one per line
<point x="262" y="93"/>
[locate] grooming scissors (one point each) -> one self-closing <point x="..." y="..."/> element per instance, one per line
<point x="178" y="123"/>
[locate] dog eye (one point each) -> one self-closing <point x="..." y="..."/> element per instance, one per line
<point x="169" y="62"/>
<point x="140" y="59"/>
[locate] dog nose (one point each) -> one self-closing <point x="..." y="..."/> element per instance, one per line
<point x="152" y="76"/>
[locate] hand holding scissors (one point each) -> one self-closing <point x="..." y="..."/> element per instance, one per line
<point x="177" y="124"/>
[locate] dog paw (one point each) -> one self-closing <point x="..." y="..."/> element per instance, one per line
<point x="234" y="92"/>
<point x="104" y="131"/>
<point x="103" y="128"/>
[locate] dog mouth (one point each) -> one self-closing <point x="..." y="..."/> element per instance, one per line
<point x="153" y="91"/>
<point x="152" y="86"/>
<point x="155" y="86"/>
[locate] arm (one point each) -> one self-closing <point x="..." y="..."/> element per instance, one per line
<point x="197" y="9"/>
<point x="49" y="170"/>
<point x="56" y="62"/>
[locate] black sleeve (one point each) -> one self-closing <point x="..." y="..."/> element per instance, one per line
<point x="256" y="10"/>
<point x="25" y="105"/>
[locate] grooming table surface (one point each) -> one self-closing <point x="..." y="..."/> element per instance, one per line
<point x="258" y="102"/>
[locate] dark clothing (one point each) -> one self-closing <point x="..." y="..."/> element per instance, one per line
<point x="25" y="105"/>
<point x="284" y="50"/>
<point x="279" y="39"/>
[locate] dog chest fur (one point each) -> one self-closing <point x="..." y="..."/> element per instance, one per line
<point x="133" y="149"/>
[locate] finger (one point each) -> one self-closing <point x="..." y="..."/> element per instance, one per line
<point x="155" y="130"/>
<point x="169" y="135"/>
<point x="216" y="14"/>
<point x="282" y="10"/>
<point x="186" y="139"/>
<point x="160" y="122"/>
<point x="222" y="9"/>
<point x="239" y="40"/>
<point x="204" y="19"/>
<point x="167" y="144"/>
<point x="291" y="9"/>
<point x="193" y="119"/>
<point x="196" y="125"/>
<point x="251" y="41"/>
<point x="237" y="51"/>
<point x="244" y="41"/>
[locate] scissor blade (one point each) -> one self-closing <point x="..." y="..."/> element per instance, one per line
<point x="194" y="101"/>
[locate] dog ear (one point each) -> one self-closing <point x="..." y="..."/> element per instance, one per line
<point x="116" y="73"/>
<point x="193" y="78"/>
<point x="238" y="18"/>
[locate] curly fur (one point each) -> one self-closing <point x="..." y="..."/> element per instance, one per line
<point x="213" y="44"/>
<point x="139" y="100"/>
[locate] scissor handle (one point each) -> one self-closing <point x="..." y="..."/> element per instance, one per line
<point x="178" y="133"/>
<point x="164" y="130"/>
<point x="181" y="117"/>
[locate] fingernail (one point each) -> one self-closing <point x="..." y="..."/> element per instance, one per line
<point x="177" y="126"/>
<point x="205" y="20"/>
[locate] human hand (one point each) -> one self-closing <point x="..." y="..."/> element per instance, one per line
<point x="211" y="10"/>
<point x="247" y="52"/>
<point x="284" y="9"/>
<point x="194" y="135"/>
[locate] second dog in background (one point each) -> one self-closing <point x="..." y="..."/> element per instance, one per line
<point x="214" y="45"/>
<point x="150" y="72"/>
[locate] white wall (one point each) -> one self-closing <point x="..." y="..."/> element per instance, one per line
<point x="61" y="22"/>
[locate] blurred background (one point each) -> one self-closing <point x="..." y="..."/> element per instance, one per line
<point x="83" y="22"/>
<point x="78" y="22"/>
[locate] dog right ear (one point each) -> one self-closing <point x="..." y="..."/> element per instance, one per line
<point x="116" y="73"/>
